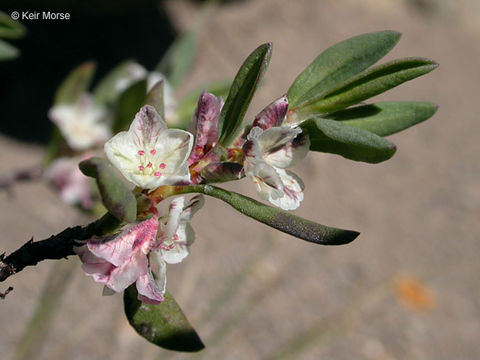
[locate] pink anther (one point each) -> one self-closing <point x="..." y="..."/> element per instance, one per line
<point x="141" y="168"/>
<point x="141" y="152"/>
<point x="157" y="173"/>
<point x="149" y="165"/>
<point x="153" y="152"/>
<point x="163" y="166"/>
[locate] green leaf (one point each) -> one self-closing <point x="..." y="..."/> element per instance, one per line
<point x="9" y="28"/>
<point x="54" y="146"/>
<point x="7" y="51"/>
<point x="339" y="63"/>
<point x="241" y="92"/>
<point x="335" y="137"/>
<point x="188" y="103"/>
<point x="179" y="58"/>
<point x="371" y="82"/>
<point x="280" y="219"/>
<point x="155" y="97"/>
<point x="386" y="118"/>
<point x="116" y="196"/>
<point x="130" y="101"/>
<point x="164" y="324"/>
<point x="75" y="84"/>
<point x="107" y="91"/>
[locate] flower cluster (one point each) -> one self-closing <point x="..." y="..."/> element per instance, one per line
<point x="85" y="124"/>
<point x="150" y="155"/>
<point x="139" y="253"/>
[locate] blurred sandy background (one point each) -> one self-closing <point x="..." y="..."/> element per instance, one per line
<point x="407" y="288"/>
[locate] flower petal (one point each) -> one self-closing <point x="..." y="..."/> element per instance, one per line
<point x="123" y="276"/>
<point x="151" y="290"/>
<point x="204" y="125"/>
<point x="279" y="187"/>
<point x="254" y="164"/>
<point x="292" y="194"/>
<point x="272" y="115"/>
<point x="178" y="234"/>
<point x="173" y="149"/>
<point x="146" y="127"/>
<point x="282" y="147"/>
<point x="137" y="238"/>
<point x="180" y="250"/>
<point x="173" y="222"/>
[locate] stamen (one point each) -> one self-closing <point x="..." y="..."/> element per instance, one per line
<point x="153" y="152"/>
<point x="141" y="152"/>
<point x="141" y="168"/>
<point x="167" y="247"/>
<point x="149" y="165"/>
<point x="157" y="173"/>
<point x="163" y="166"/>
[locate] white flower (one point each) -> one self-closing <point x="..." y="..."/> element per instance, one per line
<point x="140" y="252"/>
<point x="267" y="154"/>
<point x="83" y="124"/>
<point x="149" y="154"/>
<point x="176" y="232"/>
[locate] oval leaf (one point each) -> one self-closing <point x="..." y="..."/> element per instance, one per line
<point x="281" y="219"/>
<point x="335" y="137"/>
<point x="75" y="84"/>
<point x="340" y="62"/>
<point x="164" y="324"/>
<point x="241" y="92"/>
<point x="116" y="196"/>
<point x="386" y="118"/>
<point x="130" y="101"/>
<point x="371" y="82"/>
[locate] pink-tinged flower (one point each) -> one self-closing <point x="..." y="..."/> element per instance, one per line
<point x="176" y="234"/>
<point x="83" y="124"/>
<point x="122" y="260"/>
<point x="273" y="115"/>
<point x="267" y="154"/>
<point x="204" y="125"/>
<point x="140" y="252"/>
<point x="73" y="187"/>
<point x="149" y="154"/>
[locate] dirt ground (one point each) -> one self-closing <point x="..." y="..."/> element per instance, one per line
<point x="407" y="288"/>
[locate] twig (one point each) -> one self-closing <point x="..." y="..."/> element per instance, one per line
<point x="54" y="248"/>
